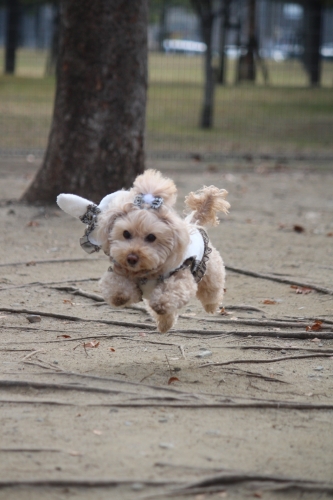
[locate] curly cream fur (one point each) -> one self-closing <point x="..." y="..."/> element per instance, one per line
<point x="124" y="228"/>
<point x="152" y="182"/>
<point x="205" y="203"/>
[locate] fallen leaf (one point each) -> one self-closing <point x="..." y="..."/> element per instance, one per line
<point x="329" y="234"/>
<point x="112" y="349"/>
<point x="68" y="301"/>
<point x="33" y="223"/>
<point x="173" y="379"/>
<point x="93" y="343"/>
<point x="97" y="432"/>
<point x="298" y="229"/>
<point x="223" y="312"/>
<point x="257" y="494"/>
<point x="302" y="289"/>
<point x="64" y="336"/>
<point x="31" y="263"/>
<point x="315" y="327"/>
<point x="269" y="301"/>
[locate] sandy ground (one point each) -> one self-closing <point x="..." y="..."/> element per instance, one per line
<point x="106" y="421"/>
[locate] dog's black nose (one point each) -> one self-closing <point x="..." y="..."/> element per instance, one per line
<point x="132" y="259"/>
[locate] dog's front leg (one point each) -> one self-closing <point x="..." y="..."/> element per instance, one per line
<point x="173" y="293"/>
<point x="119" y="291"/>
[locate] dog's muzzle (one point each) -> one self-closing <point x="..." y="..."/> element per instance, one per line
<point x="132" y="259"/>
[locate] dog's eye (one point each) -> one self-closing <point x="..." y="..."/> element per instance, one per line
<point x="150" y="238"/>
<point x="127" y="235"/>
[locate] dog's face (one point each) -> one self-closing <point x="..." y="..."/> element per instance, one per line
<point x="144" y="244"/>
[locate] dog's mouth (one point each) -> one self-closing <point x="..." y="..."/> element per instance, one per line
<point x="129" y="269"/>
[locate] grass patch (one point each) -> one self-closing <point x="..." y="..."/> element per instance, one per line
<point x="286" y="116"/>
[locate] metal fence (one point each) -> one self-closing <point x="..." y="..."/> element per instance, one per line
<point x="278" y="114"/>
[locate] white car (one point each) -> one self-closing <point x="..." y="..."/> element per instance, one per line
<point x="184" y="46"/>
<point x="326" y="51"/>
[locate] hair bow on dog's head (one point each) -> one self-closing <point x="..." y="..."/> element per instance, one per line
<point x="146" y="201"/>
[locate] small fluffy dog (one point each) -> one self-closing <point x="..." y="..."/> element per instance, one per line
<point x="155" y="254"/>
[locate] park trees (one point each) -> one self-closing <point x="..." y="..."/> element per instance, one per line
<point x="96" y="139"/>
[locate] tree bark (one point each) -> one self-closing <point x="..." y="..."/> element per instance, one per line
<point x="97" y="135"/>
<point x="12" y="35"/>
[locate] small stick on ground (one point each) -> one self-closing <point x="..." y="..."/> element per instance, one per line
<point x="76" y="318"/>
<point x="255" y="333"/>
<point x="170" y="370"/>
<point x="273" y="360"/>
<point x="287" y="281"/>
<point x="147" y="376"/>
<point x="181" y="348"/>
<point x="277" y="348"/>
<point x="77" y="291"/>
<point x="264" y="323"/>
<point x="30" y="450"/>
<point x="49" y="261"/>
<point x="32" y="354"/>
<point x="246" y="373"/>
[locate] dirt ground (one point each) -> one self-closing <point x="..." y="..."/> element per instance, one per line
<point x="95" y="404"/>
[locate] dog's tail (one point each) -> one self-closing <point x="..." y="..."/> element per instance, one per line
<point x="205" y="204"/>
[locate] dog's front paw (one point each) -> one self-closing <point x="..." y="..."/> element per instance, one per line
<point x="211" y="308"/>
<point x="159" y="308"/>
<point x="160" y="303"/>
<point x="120" y="299"/>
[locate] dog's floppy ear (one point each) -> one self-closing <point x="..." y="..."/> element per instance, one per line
<point x="89" y="213"/>
<point x="153" y="183"/>
<point x="73" y="205"/>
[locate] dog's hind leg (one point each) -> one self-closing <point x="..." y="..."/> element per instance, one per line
<point x="211" y="287"/>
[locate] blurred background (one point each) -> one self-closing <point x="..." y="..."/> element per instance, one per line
<point x="270" y="88"/>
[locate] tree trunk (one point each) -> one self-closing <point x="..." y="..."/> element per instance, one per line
<point x="162" y="25"/>
<point x="225" y="22"/>
<point x="313" y="27"/>
<point x="96" y="140"/>
<point x="12" y="34"/>
<point x="208" y="103"/>
<point x="246" y="63"/>
<point x="52" y="56"/>
<point x="204" y="10"/>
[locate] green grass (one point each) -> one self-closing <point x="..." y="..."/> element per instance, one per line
<point x="286" y="116"/>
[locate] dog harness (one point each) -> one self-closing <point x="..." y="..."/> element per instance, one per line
<point x="196" y="257"/>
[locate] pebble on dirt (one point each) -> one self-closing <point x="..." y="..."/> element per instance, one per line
<point x="33" y="318"/>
